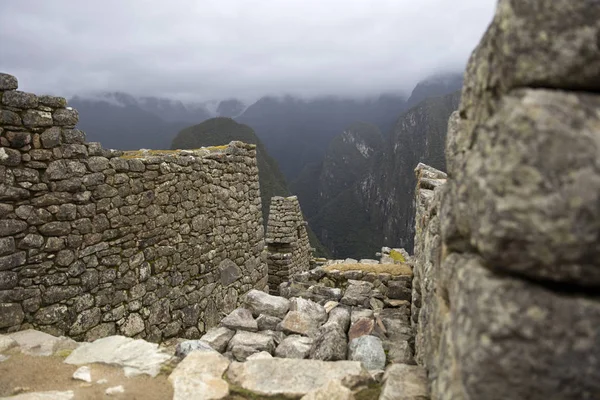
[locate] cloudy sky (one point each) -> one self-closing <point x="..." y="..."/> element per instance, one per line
<point x="214" y="49"/>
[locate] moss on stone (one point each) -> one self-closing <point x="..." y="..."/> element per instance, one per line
<point x="397" y="256"/>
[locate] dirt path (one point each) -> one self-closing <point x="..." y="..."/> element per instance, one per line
<point x="35" y="374"/>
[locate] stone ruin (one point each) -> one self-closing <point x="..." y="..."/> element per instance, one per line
<point x="507" y="255"/>
<point x="499" y="301"/>
<point x="97" y="242"/>
<point x="288" y="249"/>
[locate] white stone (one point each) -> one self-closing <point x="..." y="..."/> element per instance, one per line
<point x="199" y="377"/>
<point x="114" y="390"/>
<point x="259" y="356"/>
<point x="330" y="305"/>
<point x="404" y="382"/>
<point x="102" y="381"/>
<point x="262" y="303"/>
<point x="83" y="374"/>
<point x="135" y="356"/>
<point x="3" y="358"/>
<point x="38" y="343"/>
<point x="288" y="377"/>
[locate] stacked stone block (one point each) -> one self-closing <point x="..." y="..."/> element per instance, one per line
<point x="288" y="247"/>
<point x="95" y="242"/>
<point x="507" y="250"/>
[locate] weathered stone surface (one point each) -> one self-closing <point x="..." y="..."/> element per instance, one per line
<point x="288" y="377"/>
<point x="262" y="303"/>
<point x="230" y="272"/>
<point x="255" y="341"/>
<point x="83" y="374"/>
<point x="8" y="82"/>
<point x="240" y="318"/>
<point x="399" y="352"/>
<point x="359" y="313"/>
<point x="267" y="322"/>
<point x="369" y="351"/>
<point x="137" y="357"/>
<point x="7" y="343"/>
<point x="9" y="227"/>
<point x="525" y="200"/>
<point x="299" y="322"/>
<point x="11" y="314"/>
<point x="294" y="346"/>
<point x="199" y="377"/>
<point x="333" y="390"/>
<point x="20" y="99"/>
<point x="330" y="344"/>
<point x="186" y="347"/>
<point x="339" y="316"/>
<point x="259" y="356"/>
<point x="362" y="327"/>
<point x="404" y="382"/>
<point x="504" y="328"/>
<point x="41" y="344"/>
<point x="133" y="325"/>
<point x="357" y="293"/>
<point x="218" y="338"/>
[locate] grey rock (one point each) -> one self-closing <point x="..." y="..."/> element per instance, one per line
<point x="291" y="378"/>
<point x="369" y="351"/>
<point x="199" y="377"/>
<point x="262" y="303"/>
<point x="339" y="316"/>
<point x="65" y="117"/>
<point x="359" y="313"/>
<point x="9" y="227"/>
<point x="9" y="157"/>
<point x="19" y="99"/>
<point x="51" y="137"/>
<point x="36" y="118"/>
<point x="267" y="322"/>
<point x="357" y="293"/>
<point x="256" y="341"/>
<point x="186" y="347"/>
<point x="230" y="272"/>
<point x="404" y="382"/>
<point x="330" y="344"/>
<point x="8" y="82"/>
<point x="294" y="346"/>
<point x="11" y="314"/>
<point x="398" y="290"/>
<point x="333" y="390"/>
<point x="137" y="357"/>
<point x="13" y="260"/>
<point x="218" y="338"/>
<point x="399" y="352"/>
<point x="133" y="325"/>
<point x="240" y="318"/>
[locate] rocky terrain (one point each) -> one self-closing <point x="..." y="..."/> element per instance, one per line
<point x="351" y="341"/>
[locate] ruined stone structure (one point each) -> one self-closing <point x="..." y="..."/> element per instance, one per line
<point x="95" y="242"/>
<point x="288" y="248"/>
<point x="507" y="251"/>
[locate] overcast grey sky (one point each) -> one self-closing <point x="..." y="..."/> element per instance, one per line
<point x="210" y="49"/>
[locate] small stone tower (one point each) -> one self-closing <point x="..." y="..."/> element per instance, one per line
<point x="289" y="250"/>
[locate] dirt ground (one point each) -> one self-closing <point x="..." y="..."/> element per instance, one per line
<point x="24" y="373"/>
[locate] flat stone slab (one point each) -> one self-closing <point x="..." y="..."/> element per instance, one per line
<point x="289" y="377"/>
<point x="262" y="303"/>
<point x="199" y="377"/>
<point x="38" y="343"/>
<point x="404" y="382"/>
<point x="137" y="357"/>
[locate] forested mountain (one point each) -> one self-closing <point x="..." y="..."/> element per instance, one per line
<point x="221" y="130"/>
<point x="355" y="210"/>
<point x="297" y="132"/>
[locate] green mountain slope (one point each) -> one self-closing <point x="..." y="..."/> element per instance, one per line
<point x="218" y="131"/>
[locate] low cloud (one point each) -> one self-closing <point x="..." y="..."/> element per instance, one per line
<point x="214" y="49"/>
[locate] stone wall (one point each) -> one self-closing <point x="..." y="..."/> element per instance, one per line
<point x="95" y="242"/>
<point x="507" y="255"/>
<point x="288" y="248"/>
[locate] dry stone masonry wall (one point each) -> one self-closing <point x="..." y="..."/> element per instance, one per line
<point x="95" y="242"/>
<point x="507" y="255"/>
<point x="289" y="250"/>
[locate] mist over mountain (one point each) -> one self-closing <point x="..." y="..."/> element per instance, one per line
<point x="361" y="195"/>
